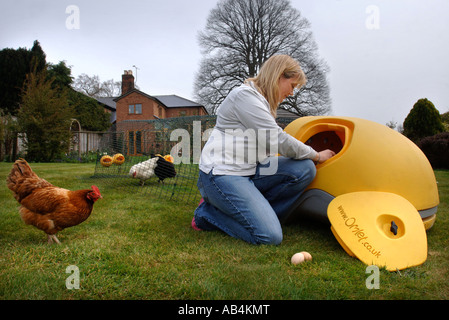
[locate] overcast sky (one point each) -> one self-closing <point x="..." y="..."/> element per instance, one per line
<point x="383" y="55"/>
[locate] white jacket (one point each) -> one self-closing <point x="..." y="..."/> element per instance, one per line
<point x="246" y="133"/>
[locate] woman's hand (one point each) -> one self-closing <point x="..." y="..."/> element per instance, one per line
<point x="324" y="155"/>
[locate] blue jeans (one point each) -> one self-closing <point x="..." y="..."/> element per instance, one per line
<point x="252" y="208"/>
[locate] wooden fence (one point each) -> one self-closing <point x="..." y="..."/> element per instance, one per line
<point x="85" y="141"/>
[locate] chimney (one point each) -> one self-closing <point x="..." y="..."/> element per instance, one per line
<point x="127" y="81"/>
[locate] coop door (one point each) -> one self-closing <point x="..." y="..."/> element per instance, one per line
<point x="326" y="140"/>
<point x="335" y="137"/>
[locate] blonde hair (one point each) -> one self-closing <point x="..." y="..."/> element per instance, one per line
<point x="267" y="80"/>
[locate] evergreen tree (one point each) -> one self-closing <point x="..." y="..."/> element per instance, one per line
<point x="44" y="117"/>
<point x="61" y="73"/>
<point x="14" y="66"/>
<point x="423" y="120"/>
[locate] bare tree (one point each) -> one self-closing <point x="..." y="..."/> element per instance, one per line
<point x="240" y="35"/>
<point x="93" y="87"/>
<point x="111" y="88"/>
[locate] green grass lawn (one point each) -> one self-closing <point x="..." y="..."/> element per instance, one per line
<point x="135" y="246"/>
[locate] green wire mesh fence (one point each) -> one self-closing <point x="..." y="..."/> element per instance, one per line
<point x="140" y="141"/>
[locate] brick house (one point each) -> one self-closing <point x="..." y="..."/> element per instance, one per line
<point x="134" y="104"/>
<point x="136" y="112"/>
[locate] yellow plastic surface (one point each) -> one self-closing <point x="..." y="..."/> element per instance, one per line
<point x="362" y="224"/>
<point x="429" y="221"/>
<point x="370" y="157"/>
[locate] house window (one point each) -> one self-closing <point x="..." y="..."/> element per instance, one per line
<point x="135" y="108"/>
<point x="182" y="113"/>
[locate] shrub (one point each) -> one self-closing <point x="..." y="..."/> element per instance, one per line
<point x="445" y="119"/>
<point x="423" y="120"/>
<point x="436" y="149"/>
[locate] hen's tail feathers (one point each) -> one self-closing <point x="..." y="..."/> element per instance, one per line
<point x="22" y="180"/>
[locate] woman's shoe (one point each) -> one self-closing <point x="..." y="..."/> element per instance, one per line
<point x="193" y="219"/>
<point x="194" y="225"/>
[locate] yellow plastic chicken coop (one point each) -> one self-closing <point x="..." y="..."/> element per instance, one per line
<point x="379" y="191"/>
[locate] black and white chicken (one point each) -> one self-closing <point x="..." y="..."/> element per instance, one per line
<point x="161" y="167"/>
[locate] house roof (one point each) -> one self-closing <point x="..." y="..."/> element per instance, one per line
<point x="174" y="101"/>
<point x="108" y="102"/>
<point x="169" y="101"/>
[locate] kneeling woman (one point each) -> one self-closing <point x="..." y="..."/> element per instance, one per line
<point x="247" y="189"/>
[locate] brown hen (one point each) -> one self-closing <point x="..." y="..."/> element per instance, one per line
<point x="45" y="206"/>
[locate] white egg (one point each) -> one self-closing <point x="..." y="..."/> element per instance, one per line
<point x="298" y="258"/>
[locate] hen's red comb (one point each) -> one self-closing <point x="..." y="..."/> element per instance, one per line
<point x="95" y="189"/>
